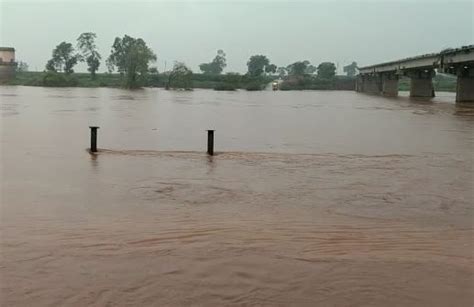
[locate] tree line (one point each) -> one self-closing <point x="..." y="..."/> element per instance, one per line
<point x="132" y="59"/>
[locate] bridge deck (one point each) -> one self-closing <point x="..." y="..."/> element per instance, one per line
<point x="432" y="60"/>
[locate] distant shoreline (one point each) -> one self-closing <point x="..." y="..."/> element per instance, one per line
<point x="217" y="82"/>
<point x="223" y="82"/>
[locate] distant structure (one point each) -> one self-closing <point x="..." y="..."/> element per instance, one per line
<point x="7" y="63"/>
<point x="351" y="69"/>
<point x="383" y="78"/>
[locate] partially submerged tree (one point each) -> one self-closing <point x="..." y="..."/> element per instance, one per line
<point x="326" y="70"/>
<point x="131" y="56"/>
<point x="258" y="64"/>
<point x="63" y="59"/>
<point x="181" y="77"/>
<point x="216" y="66"/>
<point x="351" y="69"/>
<point x="86" y="44"/>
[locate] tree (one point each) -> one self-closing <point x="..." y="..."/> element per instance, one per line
<point x="258" y="64"/>
<point x="153" y="70"/>
<point x="233" y="77"/>
<point x="300" y="68"/>
<point x="180" y="77"/>
<point x="50" y="66"/>
<point x="216" y="66"/>
<point x="131" y="56"/>
<point x="297" y="68"/>
<point x="86" y="44"/>
<point x="310" y="69"/>
<point x="270" y="69"/>
<point x="351" y="69"/>
<point x="326" y="70"/>
<point x="63" y="58"/>
<point x="21" y="67"/>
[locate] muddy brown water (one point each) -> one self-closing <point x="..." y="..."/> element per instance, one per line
<point x="313" y="199"/>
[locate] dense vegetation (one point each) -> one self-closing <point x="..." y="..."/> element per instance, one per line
<point x="318" y="83"/>
<point x="302" y="75"/>
<point x="216" y="66"/>
<point x="131" y="58"/>
<point x="229" y="81"/>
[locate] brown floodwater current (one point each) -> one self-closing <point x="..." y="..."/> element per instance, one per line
<point x="313" y="199"/>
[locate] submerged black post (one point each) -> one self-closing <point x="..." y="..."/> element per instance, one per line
<point x="210" y="142"/>
<point x="93" y="138"/>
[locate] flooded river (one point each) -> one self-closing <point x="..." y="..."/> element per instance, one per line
<point x="313" y="199"/>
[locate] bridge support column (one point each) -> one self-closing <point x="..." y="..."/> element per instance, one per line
<point x="390" y="85"/>
<point x="422" y="84"/>
<point x="359" y="83"/>
<point x="372" y="84"/>
<point x="465" y="86"/>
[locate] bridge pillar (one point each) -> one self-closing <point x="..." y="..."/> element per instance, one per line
<point x="359" y="83"/>
<point x="390" y="85"/>
<point x="465" y="86"/>
<point x="422" y="83"/>
<point x="372" y="84"/>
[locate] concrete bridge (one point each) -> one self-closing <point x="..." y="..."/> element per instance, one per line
<point x="383" y="78"/>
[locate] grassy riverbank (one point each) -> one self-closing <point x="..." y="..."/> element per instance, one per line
<point x="34" y="78"/>
<point x="217" y="82"/>
<point x="225" y="82"/>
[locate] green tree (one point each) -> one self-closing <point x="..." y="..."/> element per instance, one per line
<point x="181" y="77"/>
<point x="351" y="69"/>
<point x="310" y="69"/>
<point x="233" y="77"/>
<point x="86" y="44"/>
<point x="131" y="56"/>
<point x="258" y="64"/>
<point x="63" y="58"/>
<point x="50" y="65"/>
<point x="216" y="66"/>
<point x="326" y="70"/>
<point x="296" y="69"/>
<point x="271" y="69"/>
<point x="300" y="68"/>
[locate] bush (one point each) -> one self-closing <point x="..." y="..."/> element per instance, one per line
<point x="254" y="86"/>
<point x="54" y="79"/>
<point x="317" y="83"/>
<point x="227" y="82"/>
<point x="207" y="77"/>
<point x="233" y="78"/>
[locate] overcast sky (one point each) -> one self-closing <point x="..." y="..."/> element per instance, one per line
<point x="286" y="31"/>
